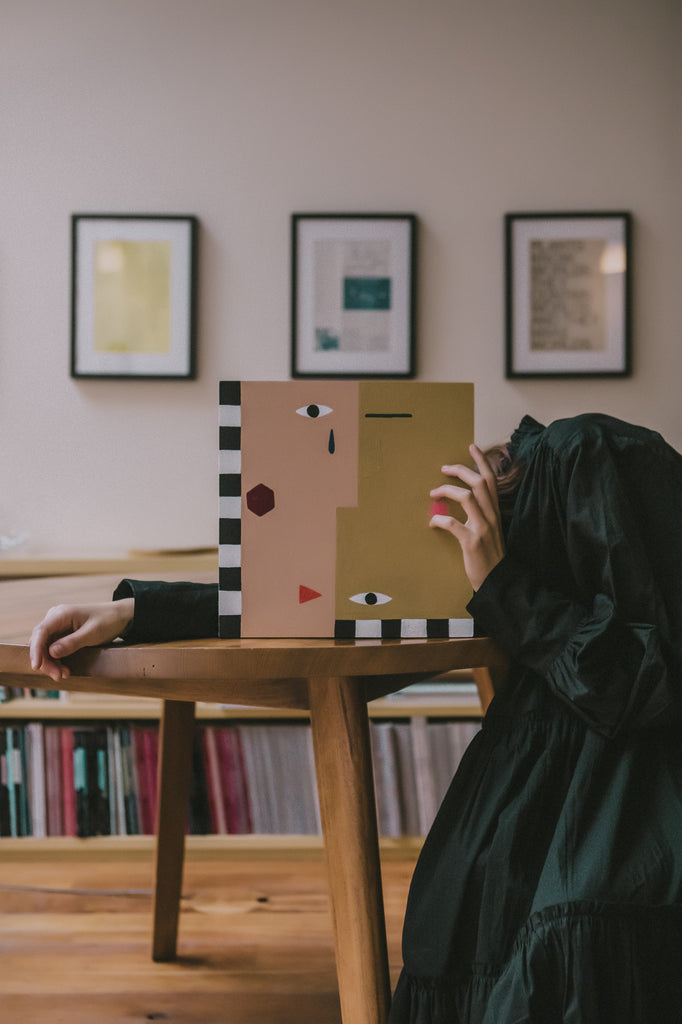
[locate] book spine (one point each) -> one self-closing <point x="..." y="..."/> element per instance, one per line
<point x="199" y="812"/>
<point x="5" y="825"/>
<point x="53" y="761"/>
<point x="134" y="781"/>
<point x="143" y="790"/>
<point x="129" y="791"/>
<point x="232" y="784"/>
<point x="25" y="822"/>
<point x="386" y="779"/>
<point x="246" y="825"/>
<point x="212" y="771"/>
<point x="427" y="799"/>
<point x="35" y="745"/>
<point x="111" y="780"/>
<point x="70" y="820"/>
<point x="254" y="780"/>
<point x="98" y="770"/>
<point x="119" y="777"/>
<point x="152" y="761"/>
<point x="12" y="784"/>
<point x="407" y="787"/>
<point x="80" y="783"/>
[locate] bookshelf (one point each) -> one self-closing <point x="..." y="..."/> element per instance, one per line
<point x="417" y="736"/>
<point x="452" y="699"/>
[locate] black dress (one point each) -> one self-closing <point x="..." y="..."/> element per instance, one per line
<point x="549" y="890"/>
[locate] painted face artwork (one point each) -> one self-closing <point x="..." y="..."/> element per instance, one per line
<point x="324" y="508"/>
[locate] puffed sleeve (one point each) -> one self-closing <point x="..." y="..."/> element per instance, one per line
<point x="577" y="598"/>
<point x="170" y="611"/>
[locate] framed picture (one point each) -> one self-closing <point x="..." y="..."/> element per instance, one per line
<point x="568" y="285"/>
<point x="133" y="296"/>
<point x="353" y="295"/>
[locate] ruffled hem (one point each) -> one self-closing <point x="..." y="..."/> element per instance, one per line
<point x="427" y="1001"/>
<point x="573" y="963"/>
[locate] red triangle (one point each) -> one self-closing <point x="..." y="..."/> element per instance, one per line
<point x="306" y="594"/>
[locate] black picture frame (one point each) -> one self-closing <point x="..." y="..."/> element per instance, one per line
<point x="353" y="295"/>
<point x="134" y="296"/>
<point x="568" y="286"/>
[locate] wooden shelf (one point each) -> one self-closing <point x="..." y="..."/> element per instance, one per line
<point x="126" y="563"/>
<point x="96" y="707"/>
<point x="235" y="846"/>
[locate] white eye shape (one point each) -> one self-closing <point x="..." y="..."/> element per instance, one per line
<point x="371" y="598"/>
<point x="313" y="412"/>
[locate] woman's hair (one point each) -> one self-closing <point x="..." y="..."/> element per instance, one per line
<point x="508" y="472"/>
<point x="508" y="476"/>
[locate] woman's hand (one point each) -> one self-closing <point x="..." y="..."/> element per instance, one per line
<point x="67" y="628"/>
<point x="480" y="537"/>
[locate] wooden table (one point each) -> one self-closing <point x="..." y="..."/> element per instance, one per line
<point x="332" y="680"/>
<point x="25" y="565"/>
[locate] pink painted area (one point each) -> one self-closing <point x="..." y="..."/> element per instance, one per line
<point x="439" y="508"/>
<point x="296" y="540"/>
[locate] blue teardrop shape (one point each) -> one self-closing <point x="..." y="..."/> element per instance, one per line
<point x="332" y="445"/>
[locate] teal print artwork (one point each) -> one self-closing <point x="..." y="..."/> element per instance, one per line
<point x="367" y="293"/>
<point x="326" y="340"/>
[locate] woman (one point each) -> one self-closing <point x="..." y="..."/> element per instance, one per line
<point x="549" y="889"/>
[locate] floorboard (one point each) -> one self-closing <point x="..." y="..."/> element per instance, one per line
<point x="255" y="940"/>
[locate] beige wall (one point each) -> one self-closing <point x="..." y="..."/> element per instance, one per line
<point x="242" y="111"/>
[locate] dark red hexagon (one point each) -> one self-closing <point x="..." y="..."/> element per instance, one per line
<point x="260" y="499"/>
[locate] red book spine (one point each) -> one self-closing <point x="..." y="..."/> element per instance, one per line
<point x="247" y="825"/>
<point x="212" y="773"/>
<point x="70" y="822"/>
<point x="233" y="790"/>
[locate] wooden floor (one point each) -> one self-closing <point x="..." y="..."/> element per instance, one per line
<point x="255" y="938"/>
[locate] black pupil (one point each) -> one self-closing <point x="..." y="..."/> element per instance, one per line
<point x="313" y="410"/>
<point x="370" y="598"/>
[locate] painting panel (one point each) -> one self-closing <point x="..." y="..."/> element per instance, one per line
<point x="324" y="527"/>
<point x="133" y="296"/>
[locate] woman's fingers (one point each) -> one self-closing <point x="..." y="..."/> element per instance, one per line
<point x="65" y="629"/>
<point x="480" y="537"/>
<point x="449" y="523"/>
<point x="41" y="659"/>
<point x="487" y="474"/>
<point x="475" y="501"/>
<point x="481" y="482"/>
<point x="451" y="491"/>
<point x="56" y="623"/>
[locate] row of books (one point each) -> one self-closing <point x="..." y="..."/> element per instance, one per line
<point x="101" y="779"/>
<point x="8" y="693"/>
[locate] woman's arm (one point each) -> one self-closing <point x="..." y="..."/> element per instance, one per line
<point x="170" y="611"/>
<point x="142" y="611"/>
<point x="67" y="628"/>
<point x="578" y="598"/>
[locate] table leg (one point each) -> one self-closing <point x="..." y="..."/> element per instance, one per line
<point x="488" y="680"/>
<point x="484" y="685"/>
<point x="174" y="781"/>
<point x="343" y="762"/>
